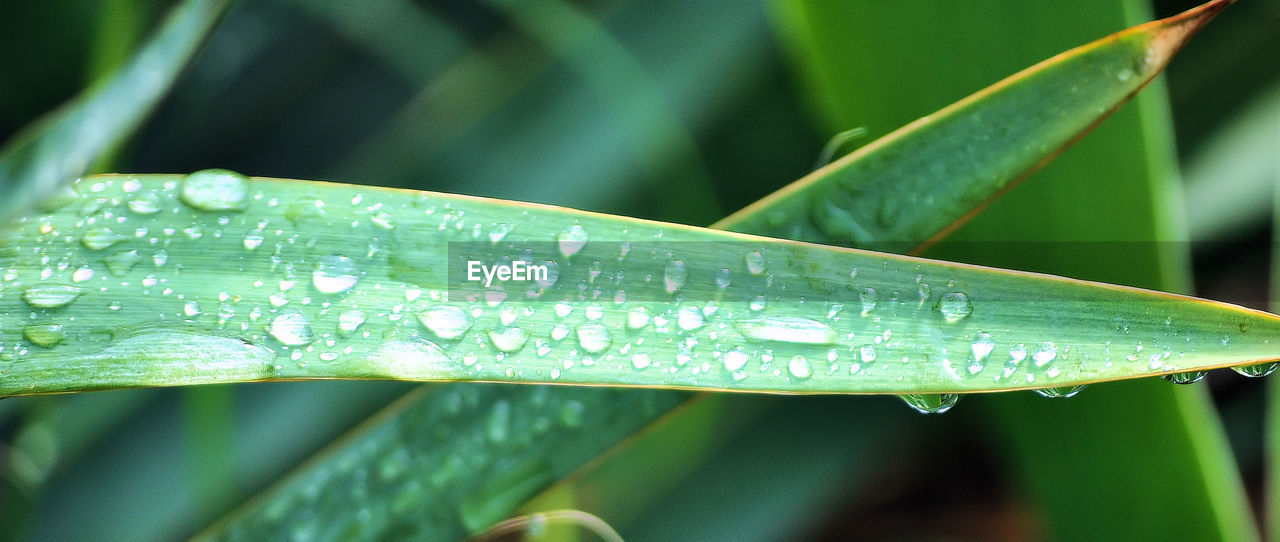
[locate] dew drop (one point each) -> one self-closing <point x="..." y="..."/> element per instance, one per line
<point x="50" y="296"/>
<point x="867" y="353"/>
<point x="869" y="297"/>
<point x="571" y="240"/>
<point x="334" y="274"/>
<point x="674" y="275"/>
<point x="638" y="318"/>
<point x="1062" y="392"/>
<point x="1045" y="354"/>
<point x="954" y="306"/>
<point x="757" y="303"/>
<point x="1257" y="370"/>
<point x="735" y="360"/>
<point x="640" y="361"/>
<point x="1189" y="377"/>
<point x="594" y="338"/>
<point x="215" y="190"/>
<point x="147" y="203"/>
<point x="100" y="238"/>
<point x="799" y="367"/>
<point x="931" y="403"/>
<point x="350" y="321"/>
<point x="982" y="346"/>
<point x="83" y="274"/>
<point x="755" y="262"/>
<point x="447" y="322"/>
<point x="508" y="339"/>
<point x="723" y="279"/>
<point x="44" y="335"/>
<point x="791" y="329"/>
<point x="292" y="328"/>
<point x="690" y="318"/>
<point x="191" y="309"/>
<point x="120" y="263"/>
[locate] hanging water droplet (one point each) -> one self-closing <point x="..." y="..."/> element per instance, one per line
<point x="638" y="318"/>
<point x="799" y="367"/>
<point x="571" y="240"/>
<point x="215" y="190"/>
<point x="1062" y="392"/>
<point x="447" y="322"/>
<point x="100" y="238"/>
<point x="735" y="359"/>
<point x="674" y="275"/>
<point x="350" y="321"/>
<point x="508" y="339"/>
<point x="334" y="274"/>
<point x="931" y="403"/>
<point x="954" y="306"/>
<point x="1257" y="370"/>
<point x="45" y="335"/>
<point x="292" y="328"/>
<point x="594" y="338"/>
<point x="792" y="329"/>
<point x="869" y="297"/>
<point x="50" y="296"/>
<point x="1189" y="377"/>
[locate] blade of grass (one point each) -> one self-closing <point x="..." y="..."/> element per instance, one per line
<point x="60" y="147"/>
<point x="313" y="476"/>
<point x="725" y="307"/>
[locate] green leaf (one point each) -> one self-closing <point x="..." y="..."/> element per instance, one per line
<point x="280" y="507"/>
<point x="144" y="296"/>
<point x="61" y="146"/>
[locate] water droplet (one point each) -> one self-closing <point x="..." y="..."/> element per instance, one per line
<point x="50" y="296"/>
<point x="191" y="309"/>
<point x="1062" y="392"/>
<point x="215" y="190"/>
<point x="735" y="359"/>
<point x="792" y="329"/>
<point x="638" y="318"/>
<point x="253" y="240"/>
<point x="755" y="262"/>
<point x="100" y="238"/>
<point x="45" y="335"/>
<point x="334" y="274"/>
<point x="571" y="240"/>
<point x="1045" y="354"/>
<point x="1257" y="370"/>
<point x="869" y="297"/>
<point x="723" y="279"/>
<point x="447" y="322"/>
<point x="498" y="231"/>
<point x="799" y="367"/>
<point x="690" y="318"/>
<point x="931" y="403"/>
<point x="83" y="274"/>
<point x="674" y="275"/>
<point x="292" y="328"/>
<point x="954" y="306"/>
<point x="640" y="361"/>
<point x="508" y="339"/>
<point x="982" y="346"/>
<point x="594" y="338"/>
<point x="350" y="321"/>
<point x="120" y="263"/>
<point x="757" y="303"/>
<point x="146" y="203"/>
<point x="867" y="353"/>
<point x="1189" y="377"/>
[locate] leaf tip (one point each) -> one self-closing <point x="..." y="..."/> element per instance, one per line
<point x="1174" y="32"/>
